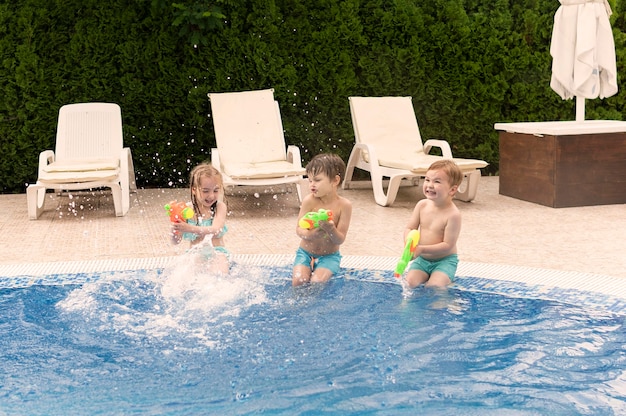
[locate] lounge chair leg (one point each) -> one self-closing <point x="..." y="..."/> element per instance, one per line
<point x="125" y="195"/>
<point x="471" y="186"/>
<point x="36" y="199"/>
<point x="393" y="186"/>
<point x="303" y="189"/>
<point x="380" y="197"/>
<point x="116" y="191"/>
<point x="130" y="167"/>
<point x="354" y="155"/>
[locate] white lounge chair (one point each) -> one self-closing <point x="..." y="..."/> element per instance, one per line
<point x="250" y="141"/>
<point x="89" y="154"/>
<point x="389" y="145"/>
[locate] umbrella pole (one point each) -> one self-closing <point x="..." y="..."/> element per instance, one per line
<point x="580" y="108"/>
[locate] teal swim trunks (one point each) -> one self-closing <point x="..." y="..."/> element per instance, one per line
<point x="446" y="265"/>
<point x="330" y="261"/>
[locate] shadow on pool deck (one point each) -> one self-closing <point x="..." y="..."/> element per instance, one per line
<point x="496" y="229"/>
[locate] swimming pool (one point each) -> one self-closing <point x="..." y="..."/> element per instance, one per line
<point x="153" y="336"/>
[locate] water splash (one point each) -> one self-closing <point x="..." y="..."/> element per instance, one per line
<point x="187" y="305"/>
<point x="190" y="282"/>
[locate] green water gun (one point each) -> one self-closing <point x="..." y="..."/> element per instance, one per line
<point x="412" y="239"/>
<point x="312" y="219"/>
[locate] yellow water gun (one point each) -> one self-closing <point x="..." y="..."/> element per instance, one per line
<point x="412" y="240"/>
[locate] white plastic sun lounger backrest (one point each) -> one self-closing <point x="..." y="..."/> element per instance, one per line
<point x="89" y="131"/>
<point x="248" y="128"/>
<point x="250" y="143"/>
<point x="375" y="121"/>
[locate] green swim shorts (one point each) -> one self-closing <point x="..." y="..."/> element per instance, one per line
<point x="446" y="265"/>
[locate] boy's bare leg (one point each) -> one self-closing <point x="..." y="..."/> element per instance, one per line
<point x="301" y="275"/>
<point x="438" y="279"/>
<point x="415" y="278"/>
<point x="321" y="275"/>
<point x="220" y="263"/>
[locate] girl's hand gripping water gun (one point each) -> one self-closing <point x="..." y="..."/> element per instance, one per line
<point x="312" y="219"/>
<point x="179" y="211"/>
<point x="412" y="239"/>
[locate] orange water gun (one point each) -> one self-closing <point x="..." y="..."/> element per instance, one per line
<point x="412" y="240"/>
<point x="179" y="211"/>
<point x="312" y="219"/>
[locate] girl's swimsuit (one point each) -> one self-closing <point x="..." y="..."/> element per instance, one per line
<point x="203" y="223"/>
<point x="207" y="223"/>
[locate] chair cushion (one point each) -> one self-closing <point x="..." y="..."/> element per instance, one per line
<point x="83" y="170"/>
<point x="265" y="170"/>
<point x="105" y="175"/>
<point x="82" y="165"/>
<point x="464" y="164"/>
<point x="418" y="162"/>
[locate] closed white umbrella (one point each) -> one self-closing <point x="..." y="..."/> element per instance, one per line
<point x="583" y="52"/>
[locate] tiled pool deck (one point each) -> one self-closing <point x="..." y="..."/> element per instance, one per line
<point x="548" y="251"/>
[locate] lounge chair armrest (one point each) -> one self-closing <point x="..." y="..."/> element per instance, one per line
<point x="368" y="152"/>
<point x="127" y="168"/>
<point x="45" y="158"/>
<point x="215" y="159"/>
<point x="125" y="154"/>
<point x="293" y="155"/>
<point x="442" y="144"/>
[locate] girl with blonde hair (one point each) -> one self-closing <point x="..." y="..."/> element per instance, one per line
<point x="207" y="197"/>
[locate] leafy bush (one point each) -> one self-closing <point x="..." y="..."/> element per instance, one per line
<point x="467" y="65"/>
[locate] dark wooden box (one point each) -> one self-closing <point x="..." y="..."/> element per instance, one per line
<point x="564" y="170"/>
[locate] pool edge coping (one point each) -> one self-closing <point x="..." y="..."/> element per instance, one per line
<point x="566" y="286"/>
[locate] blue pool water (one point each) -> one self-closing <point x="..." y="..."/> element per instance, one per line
<point x="177" y="341"/>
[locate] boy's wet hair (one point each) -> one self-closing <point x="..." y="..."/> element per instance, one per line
<point x="329" y="164"/>
<point x="451" y="169"/>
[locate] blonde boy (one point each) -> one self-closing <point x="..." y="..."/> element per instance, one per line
<point x="439" y="222"/>
<point x="318" y="258"/>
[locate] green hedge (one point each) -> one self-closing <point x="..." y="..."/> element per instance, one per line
<point x="467" y="65"/>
